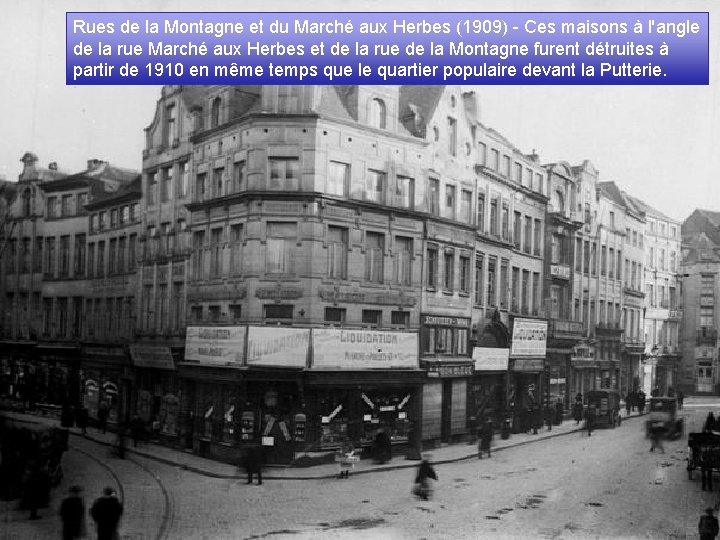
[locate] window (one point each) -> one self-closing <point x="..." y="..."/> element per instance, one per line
<point x="505" y="221"/>
<point x="64" y="268"/>
<point x="184" y="180"/>
<point x="236" y="240"/>
<point x="134" y="212"/>
<point x="335" y="316"/>
<point x="452" y="136"/>
<point x="170" y="133"/>
<point x="434" y="196"/>
<point x="707" y="284"/>
<point x="526" y="291"/>
<point x="337" y="252"/>
<point x="444" y="340"/>
<point x="537" y="237"/>
<point x="374" y="186"/>
<point x="527" y="244"/>
<point x="450" y="201"/>
<point x="280" y="247"/>
<point x="66" y="207"/>
<point x="611" y="263"/>
<point x="603" y="260"/>
<point x="217" y="185"/>
<point x="113" y="217"/>
<point x="504" y="267"/>
<point x="400" y="318"/>
<point x="405" y="192"/>
<point x="593" y="259"/>
<point x="464" y="274"/>
<point x="49" y="256"/>
<point x="492" y="282"/>
<point x="196" y="313"/>
<point x="495" y="160"/>
<point x="515" y="290"/>
<point x="79" y="262"/>
<point x="215" y="112"/>
<point x="494" y="216"/>
<point x="124" y="214"/>
<point x="62" y="317"/>
<point x="449" y="269"/>
<point x="214" y="313"/>
<point x="26" y="202"/>
<point x="151" y="188"/>
<point x="634" y="238"/>
<point x="216" y="252"/>
<point x="673" y="261"/>
<point x="52" y="207"/>
<point x="198" y="254"/>
<point x="112" y="256"/>
<point x="200" y="186"/>
<point x="278" y="311"/>
<point x="517" y="176"/>
<point x="377" y="116"/>
<point x="432" y="266"/>
<point x="539" y="183"/>
<point x="121" y="255"/>
<point x="481" y="212"/>
<point x="661" y="259"/>
<point x="338" y="179"/>
<point x="372" y="317"/>
<point x="479" y="279"/>
<point x="374" y="247"/>
<point x="506" y="166"/>
<point x="706" y="316"/>
<point x="402" y="269"/>
<point x="38" y="256"/>
<point x="132" y="251"/>
<point x="517" y="229"/>
<point x="166" y="185"/>
<point x="235" y="312"/>
<point x="482" y="153"/>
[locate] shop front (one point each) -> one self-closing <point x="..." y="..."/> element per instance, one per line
<point x="362" y="382"/>
<point x="528" y="380"/>
<point x="103" y="370"/>
<point x="487" y="399"/>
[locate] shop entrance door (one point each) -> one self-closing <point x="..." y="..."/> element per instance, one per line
<point x="446" y="411"/>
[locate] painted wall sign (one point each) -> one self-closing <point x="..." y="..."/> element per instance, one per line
<point x="215" y="345"/>
<point x="364" y="349"/>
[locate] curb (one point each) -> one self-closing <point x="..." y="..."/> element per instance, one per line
<point x="211" y="474"/>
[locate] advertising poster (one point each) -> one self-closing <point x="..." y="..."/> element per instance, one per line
<point x="529" y="338"/>
<point x="277" y="346"/>
<point x="336" y="348"/>
<point x="215" y="345"/>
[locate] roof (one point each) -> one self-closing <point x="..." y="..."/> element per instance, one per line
<point x="417" y="106"/>
<point x="647" y="209"/>
<point x="127" y="191"/>
<point x="612" y="192"/>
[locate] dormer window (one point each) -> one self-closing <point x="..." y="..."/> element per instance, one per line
<point x="170" y="133"/>
<point x="215" y="112"/>
<point x="378" y="114"/>
<point x="27" y="197"/>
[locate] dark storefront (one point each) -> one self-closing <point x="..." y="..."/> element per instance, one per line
<point x="156" y="390"/>
<point x="103" y="373"/>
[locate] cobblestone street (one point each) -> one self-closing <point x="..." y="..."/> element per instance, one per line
<point x="569" y="486"/>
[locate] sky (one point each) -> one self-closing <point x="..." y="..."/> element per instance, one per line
<point x="658" y="143"/>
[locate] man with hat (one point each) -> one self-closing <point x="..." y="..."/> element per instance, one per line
<point x="72" y="513"/>
<point x="106" y="512"/>
<point x="708" y="526"/>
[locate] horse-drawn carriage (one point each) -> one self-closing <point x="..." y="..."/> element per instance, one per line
<point x="703" y="452"/>
<point x="663" y="418"/>
<point x="29" y="450"/>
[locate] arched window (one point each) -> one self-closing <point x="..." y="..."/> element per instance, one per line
<point x="377" y="113"/>
<point x="558" y="201"/>
<point x="26" y="202"/>
<point x="215" y="113"/>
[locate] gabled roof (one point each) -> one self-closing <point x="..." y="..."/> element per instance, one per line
<point x="101" y="197"/>
<point x="417" y="106"/>
<point x="612" y="192"/>
<point x="645" y="208"/>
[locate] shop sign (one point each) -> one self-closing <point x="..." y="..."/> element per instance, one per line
<point x="529" y="364"/>
<point x="215" y="345"/>
<point x="440" y="320"/>
<point x="337" y="295"/>
<point x="277" y="346"/>
<point x="529" y="337"/>
<point x="152" y="357"/>
<point x="444" y="370"/>
<point x="561" y="380"/>
<point x="490" y="358"/>
<point x="364" y="349"/>
<point x="278" y="293"/>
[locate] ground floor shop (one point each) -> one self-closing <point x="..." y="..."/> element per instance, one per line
<point x="527" y="392"/>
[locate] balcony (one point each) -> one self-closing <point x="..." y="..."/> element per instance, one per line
<point x="706" y="334"/>
<point x="561" y="271"/>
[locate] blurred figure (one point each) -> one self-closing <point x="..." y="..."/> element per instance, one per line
<point x="709" y="422"/>
<point x="382" y="446"/>
<point x="485" y="435"/>
<point x="137" y="429"/>
<point x="656" y="438"/>
<point x="103" y="413"/>
<point x="81" y="418"/>
<point x="106" y="512"/>
<point x="590" y="419"/>
<point x="425" y="472"/>
<point x="680" y="398"/>
<point x="37" y="490"/>
<point x="72" y="513"/>
<point x="628" y="404"/>
<point x="254" y="463"/>
<point x="578" y="410"/>
<point x="641" y="402"/>
<point x="708" y="526"/>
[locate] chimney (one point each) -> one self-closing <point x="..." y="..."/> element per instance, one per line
<point x="94" y="163"/>
<point x="534" y="156"/>
<point x="52" y="166"/>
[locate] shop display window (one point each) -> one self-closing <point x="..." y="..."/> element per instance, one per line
<point x="334" y="419"/>
<point x="228" y="420"/>
<point x="389" y="411"/>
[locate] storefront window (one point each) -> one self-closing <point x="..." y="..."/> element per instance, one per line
<point x="333" y="421"/>
<point x="383" y="410"/>
<point x="228" y="430"/>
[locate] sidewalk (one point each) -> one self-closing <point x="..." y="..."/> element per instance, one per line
<point x="206" y="467"/>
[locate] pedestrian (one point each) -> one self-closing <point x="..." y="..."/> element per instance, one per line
<point x="103" y="413"/>
<point x="680" y="398"/>
<point x="137" y="427"/>
<point x="628" y="404"/>
<point x="81" y="418"/>
<point x="382" y="446"/>
<point x="254" y="463"/>
<point x="72" y="513"/>
<point x="485" y="436"/>
<point x="559" y="411"/>
<point x="106" y="512"/>
<point x="578" y="411"/>
<point x="425" y="472"/>
<point x="590" y="419"/>
<point x="656" y="438"/>
<point x="67" y="418"/>
<point x="708" y="526"/>
<point x="709" y="422"/>
<point x="641" y="402"/>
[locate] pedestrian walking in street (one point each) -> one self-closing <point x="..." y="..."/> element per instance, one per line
<point x="708" y="526"/>
<point x="106" y="512"/>
<point x="137" y="428"/>
<point x="422" y="488"/>
<point x="641" y="402"/>
<point x="382" y="446"/>
<point x="656" y="439"/>
<point x="709" y="422"/>
<point x="72" y="513"/>
<point x="254" y="463"/>
<point x="485" y="435"/>
<point x="680" y="399"/>
<point x="103" y="413"/>
<point x="628" y="404"/>
<point x="590" y="420"/>
<point x="578" y="411"/>
<point x="81" y="418"/>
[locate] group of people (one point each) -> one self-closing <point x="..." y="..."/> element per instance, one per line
<point x="635" y="400"/>
<point x="106" y="512"/>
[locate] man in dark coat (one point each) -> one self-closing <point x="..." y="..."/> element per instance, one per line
<point x="485" y="435"/>
<point x="81" y="418"/>
<point x="422" y="479"/>
<point x="578" y="411"/>
<point x="708" y="526"/>
<point x="106" y="511"/>
<point x="254" y="463"/>
<point x="590" y="419"/>
<point x="72" y="513"/>
<point x="383" y="447"/>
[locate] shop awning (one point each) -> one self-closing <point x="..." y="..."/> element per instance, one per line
<point x="152" y="357"/>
